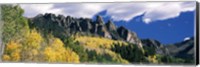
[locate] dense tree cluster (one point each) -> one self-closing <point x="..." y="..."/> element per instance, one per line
<point x="130" y="52"/>
<point x="14" y="24"/>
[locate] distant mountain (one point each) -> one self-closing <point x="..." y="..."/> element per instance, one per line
<point x="183" y="49"/>
<point x="62" y="26"/>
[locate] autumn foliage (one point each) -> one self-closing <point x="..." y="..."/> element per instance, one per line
<point x="31" y="50"/>
<point x="56" y="52"/>
<point x="97" y="42"/>
<point x="12" y="52"/>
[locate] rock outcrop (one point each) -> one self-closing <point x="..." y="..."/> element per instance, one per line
<point x="62" y="26"/>
<point x="156" y="45"/>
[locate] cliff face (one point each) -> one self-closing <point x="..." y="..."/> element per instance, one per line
<point x="62" y="26"/>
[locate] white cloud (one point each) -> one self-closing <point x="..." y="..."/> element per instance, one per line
<point x="80" y="9"/>
<point x="168" y="10"/>
<point x="32" y="10"/>
<point x="72" y="9"/>
<point x="186" y="38"/>
<point x="147" y="20"/>
<point x="118" y="11"/>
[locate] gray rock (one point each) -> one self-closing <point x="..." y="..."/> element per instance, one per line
<point x="110" y="26"/>
<point x="159" y="48"/>
<point x="99" y="20"/>
<point x="102" y="31"/>
<point x="61" y="25"/>
<point x="86" y="25"/>
<point x="129" y="36"/>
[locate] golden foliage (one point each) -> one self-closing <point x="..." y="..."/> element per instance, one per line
<point x="26" y="50"/>
<point x="12" y="46"/>
<point x="30" y="50"/>
<point x="49" y="54"/>
<point x="97" y="42"/>
<point x="15" y="56"/>
<point x="12" y="51"/>
<point x="71" y="56"/>
<point x="152" y="58"/>
<point x="33" y="40"/>
<point x="56" y="52"/>
<point x="102" y="46"/>
<point x="6" y="58"/>
<point x="31" y="46"/>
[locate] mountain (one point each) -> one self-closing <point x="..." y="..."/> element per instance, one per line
<point x="183" y="49"/>
<point x="155" y="45"/>
<point x="61" y="26"/>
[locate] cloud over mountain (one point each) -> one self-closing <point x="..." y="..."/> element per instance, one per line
<point x="152" y="11"/>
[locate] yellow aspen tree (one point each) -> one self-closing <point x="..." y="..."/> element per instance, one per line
<point x="71" y="57"/>
<point x="56" y="52"/>
<point x="31" y="46"/>
<point x="49" y="55"/>
<point x="6" y="58"/>
<point x="12" y="51"/>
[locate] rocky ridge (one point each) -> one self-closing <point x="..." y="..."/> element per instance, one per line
<point x="62" y="26"/>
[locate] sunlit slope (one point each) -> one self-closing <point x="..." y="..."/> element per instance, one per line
<point x="97" y="42"/>
<point x="102" y="46"/>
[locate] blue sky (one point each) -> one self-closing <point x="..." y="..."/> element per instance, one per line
<point x="166" y="31"/>
<point x="167" y="22"/>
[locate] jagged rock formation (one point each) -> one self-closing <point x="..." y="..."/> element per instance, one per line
<point x="110" y="26"/>
<point x="62" y="26"/>
<point x="129" y="36"/>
